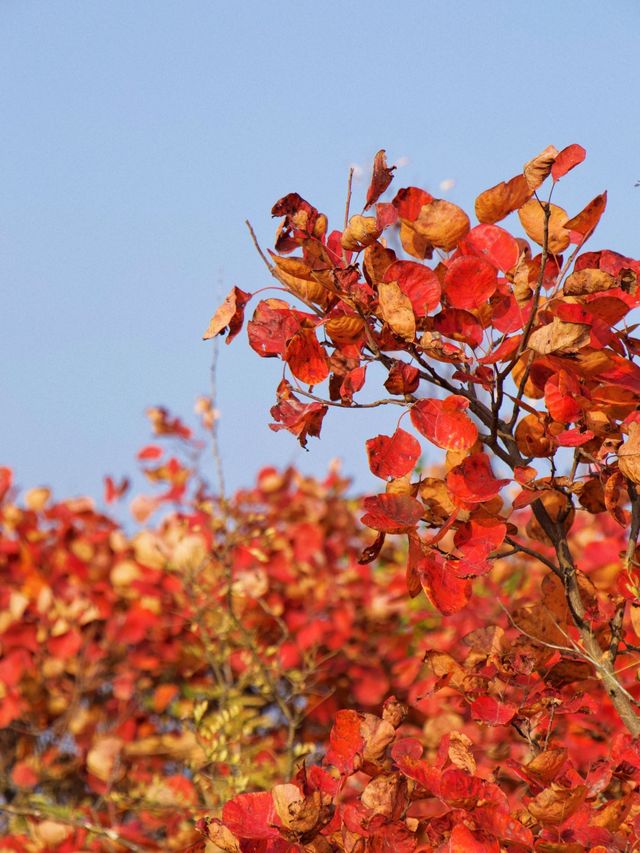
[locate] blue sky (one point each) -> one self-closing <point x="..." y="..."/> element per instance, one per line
<point x="136" y="137"/>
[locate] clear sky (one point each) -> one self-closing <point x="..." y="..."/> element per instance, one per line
<point x="137" y="135"/>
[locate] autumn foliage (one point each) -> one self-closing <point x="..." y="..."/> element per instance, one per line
<point x="448" y="665"/>
<point x="514" y="354"/>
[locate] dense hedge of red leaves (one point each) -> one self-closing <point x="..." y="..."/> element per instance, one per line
<point x="127" y="658"/>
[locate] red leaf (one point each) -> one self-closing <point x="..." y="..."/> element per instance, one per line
<point x="251" y="816"/>
<point x="418" y="282"/>
<point x="380" y="178"/>
<point x="403" y="378"/>
<point x="392" y="513"/>
<point x="487" y="709"/>
<point x="476" y="541"/>
<point x="229" y="314"/>
<point x="493" y="243"/>
<point x="300" y="419"/>
<point x="462" y="840"/>
<point x="573" y="437"/>
<point x="569" y="157"/>
<point x="393" y="456"/>
<point x="445" y="423"/>
<point x="470" y="281"/>
<point x="112" y="490"/>
<point x="307" y="360"/>
<point x="582" y="225"/>
<point x="151" y="451"/>
<point x="473" y="481"/>
<point x="448" y="593"/>
<point x="274" y="323"/>
<point x="409" y="202"/>
<point x="460" y="325"/>
<point x="560" y="391"/>
<point x="66" y="645"/>
<point x="346" y="742"/>
<point x="24" y="776"/>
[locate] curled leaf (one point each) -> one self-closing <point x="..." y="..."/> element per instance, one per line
<point x="380" y="179"/>
<point x="230" y="314"/>
<point x="396" y="310"/>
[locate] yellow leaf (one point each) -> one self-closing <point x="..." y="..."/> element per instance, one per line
<point x="588" y="281"/>
<point x="443" y="223"/>
<point x="629" y="454"/>
<point x="397" y="310"/>
<point x="298" y="277"/>
<point x="101" y="758"/>
<point x="559" y="336"/>
<point x="361" y="231"/>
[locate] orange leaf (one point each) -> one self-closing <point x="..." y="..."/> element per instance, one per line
<point x="532" y="218"/>
<point x="497" y="202"/>
<point x="443" y="223"/>
<point x="307" y="360"/>
<point x="584" y="223"/>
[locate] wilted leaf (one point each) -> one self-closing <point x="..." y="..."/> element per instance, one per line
<point x="380" y="179"/>
<point x="359" y="233"/>
<point x="558" y="336"/>
<point x="588" y="281"/>
<point x="538" y="169"/>
<point x="555" y="804"/>
<point x="629" y="454"/>
<point x="301" y="419"/>
<point x="396" y="310"/>
<point x="301" y="280"/>
<point x="230" y="313"/>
